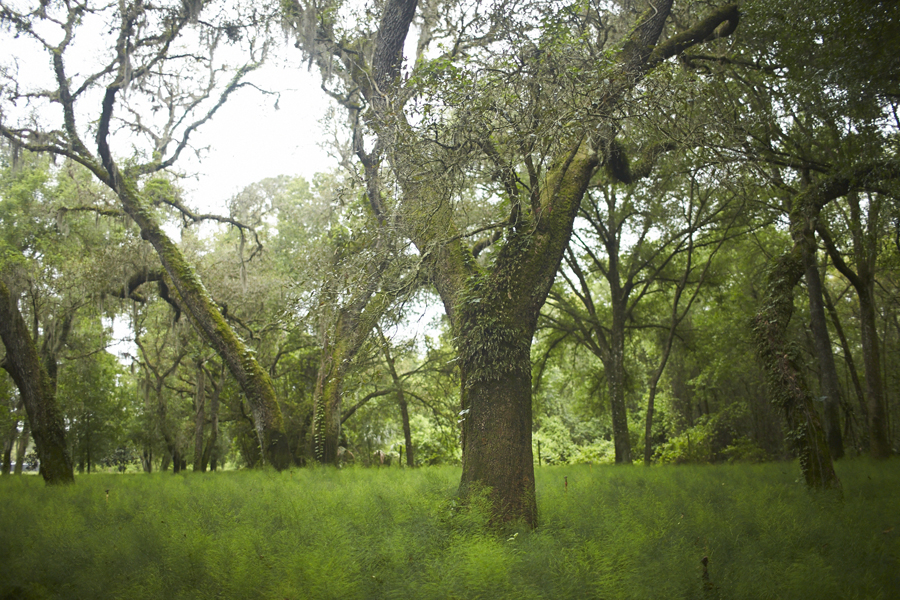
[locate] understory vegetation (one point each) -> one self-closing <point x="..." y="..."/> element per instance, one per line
<point x="605" y="532"/>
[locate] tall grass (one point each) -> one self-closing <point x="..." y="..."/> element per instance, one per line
<point x="611" y="532"/>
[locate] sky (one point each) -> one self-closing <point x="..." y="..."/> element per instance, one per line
<point x="249" y="139"/>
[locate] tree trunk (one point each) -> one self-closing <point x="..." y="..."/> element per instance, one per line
<point x="210" y="453"/>
<point x="9" y="441"/>
<point x="863" y="281"/>
<point x="879" y="444"/>
<point x="199" y="419"/>
<point x="22" y="446"/>
<point x="851" y="365"/>
<point x="407" y="432"/>
<point x="401" y="397"/>
<point x="615" y="377"/>
<point x="327" y="402"/>
<point x="786" y="383"/>
<point x="830" y="385"/>
<point x="497" y="455"/>
<point x="38" y="391"/>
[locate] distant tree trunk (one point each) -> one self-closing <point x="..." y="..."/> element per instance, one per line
<point x="171" y="446"/>
<point x="341" y="343"/>
<point x="614" y="368"/>
<point x="407" y="432"/>
<point x="401" y="397"/>
<point x="22" y="446"/>
<point x="210" y="453"/>
<point x="9" y="441"/>
<point x="851" y="365"/>
<point x="147" y="460"/>
<point x="199" y="418"/>
<point x="828" y="377"/>
<point x="37" y="387"/>
<point x="863" y="281"/>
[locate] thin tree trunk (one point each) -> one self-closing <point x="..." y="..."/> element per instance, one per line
<point x="22" y="446"/>
<point x="850" y="363"/>
<point x="199" y="418"/>
<point x="37" y="388"/>
<point x="615" y="377"/>
<point x="863" y="281"/>
<point x="210" y="453"/>
<point x="401" y="397"/>
<point x="828" y="377"/>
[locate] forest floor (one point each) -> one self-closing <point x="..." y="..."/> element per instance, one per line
<point x="605" y="532"/>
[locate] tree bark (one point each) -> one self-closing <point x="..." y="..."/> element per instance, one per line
<point x="210" y="453"/>
<point x="863" y="282"/>
<point x="828" y="378"/>
<point x="327" y="402"/>
<point x="497" y="455"/>
<point x="9" y="440"/>
<point x="199" y="419"/>
<point x="788" y="388"/>
<point x="38" y="391"/>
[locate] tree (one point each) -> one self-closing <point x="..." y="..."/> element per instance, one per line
<point x="493" y="99"/>
<point x="814" y="143"/>
<point x="642" y="232"/>
<point x="163" y="92"/>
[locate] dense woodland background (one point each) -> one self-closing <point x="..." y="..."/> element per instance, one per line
<point x="739" y="207"/>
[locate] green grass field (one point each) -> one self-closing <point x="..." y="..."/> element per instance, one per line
<point x="613" y="532"/>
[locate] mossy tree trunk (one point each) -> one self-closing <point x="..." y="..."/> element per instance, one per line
<point x="341" y="341"/>
<point x="37" y="387"/>
<point x="787" y="385"/>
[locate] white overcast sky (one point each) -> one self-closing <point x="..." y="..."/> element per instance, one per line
<point x="250" y="140"/>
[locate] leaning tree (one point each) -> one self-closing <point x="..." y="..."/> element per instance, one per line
<point x="121" y="88"/>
